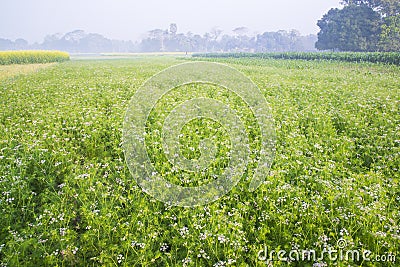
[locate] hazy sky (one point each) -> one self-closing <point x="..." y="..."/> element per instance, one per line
<point x="131" y="19"/>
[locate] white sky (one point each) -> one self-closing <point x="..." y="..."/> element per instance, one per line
<point x="131" y="19"/>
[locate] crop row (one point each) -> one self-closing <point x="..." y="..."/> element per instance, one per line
<point x="374" y="57"/>
<point x="32" y="57"/>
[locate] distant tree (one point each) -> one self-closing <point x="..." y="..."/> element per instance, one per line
<point x="170" y="41"/>
<point x="207" y="40"/>
<point x="266" y="42"/>
<point x="198" y="43"/>
<point x="6" y="44"/>
<point x="215" y="33"/>
<point x="229" y="43"/>
<point x="211" y="38"/>
<point x="123" y="46"/>
<point x="21" y="44"/>
<point x="240" y="31"/>
<point x="156" y="34"/>
<point x="164" y="39"/>
<point x="173" y="29"/>
<point x="353" y="28"/>
<point x="308" y="42"/>
<point x="53" y="41"/>
<point x="243" y="43"/>
<point x="79" y="41"/>
<point x="94" y="43"/>
<point x="283" y="41"/>
<point x="156" y="37"/>
<point x="239" y="42"/>
<point x="294" y="38"/>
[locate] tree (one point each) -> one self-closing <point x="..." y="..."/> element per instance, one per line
<point x="207" y="39"/>
<point x="369" y="3"/>
<point x="21" y="44"/>
<point x="156" y="34"/>
<point x="385" y="7"/>
<point x="388" y="8"/>
<point x="353" y="28"/>
<point x="294" y="36"/>
<point x="156" y="39"/>
<point x="173" y="29"/>
<point x="6" y="44"/>
<point x="240" y="31"/>
<point x="390" y="36"/>
<point x="215" y="33"/>
<point x="389" y="11"/>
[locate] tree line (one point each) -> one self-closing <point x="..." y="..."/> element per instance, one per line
<point x="76" y="41"/>
<point x="361" y="26"/>
<point x="170" y="40"/>
<point x="215" y="41"/>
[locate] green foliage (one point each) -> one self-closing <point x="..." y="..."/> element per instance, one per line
<point x="373" y="57"/>
<point x="390" y="36"/>
<point x="353" y="28"/>
<point x="386" y="8"/>
<point x="68" y="199"/>
<point x="362" y="25"/>
<point x="369" y="3"/>
<point x="32" y="57"/>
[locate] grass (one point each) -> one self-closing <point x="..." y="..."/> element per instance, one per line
<point x="68" y="199"/>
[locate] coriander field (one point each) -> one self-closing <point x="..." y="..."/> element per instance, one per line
<point x="67" y="197"/>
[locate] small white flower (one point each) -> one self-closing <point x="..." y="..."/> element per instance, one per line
<point x="186" y="261"/>
<point x="184" y="231"/>
<point x="120" y="258"/>
<point x="164" y="247"/>
<point x="222" y="239"/>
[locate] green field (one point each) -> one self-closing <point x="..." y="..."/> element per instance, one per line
<point x="67" y="197"/>
<point x="10" y="71"/>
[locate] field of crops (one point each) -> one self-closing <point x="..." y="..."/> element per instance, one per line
<point x="32" y="57"/>
<point x="9" y="71"/>
<point x="67" y="197"/>
<point x="372" y="57"/>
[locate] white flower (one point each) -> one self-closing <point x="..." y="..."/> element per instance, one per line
<point x="184" y="231"/>
<point x="186" y="261"/>
<point x="222" y="239"/>
<point x="164" y="247"/>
